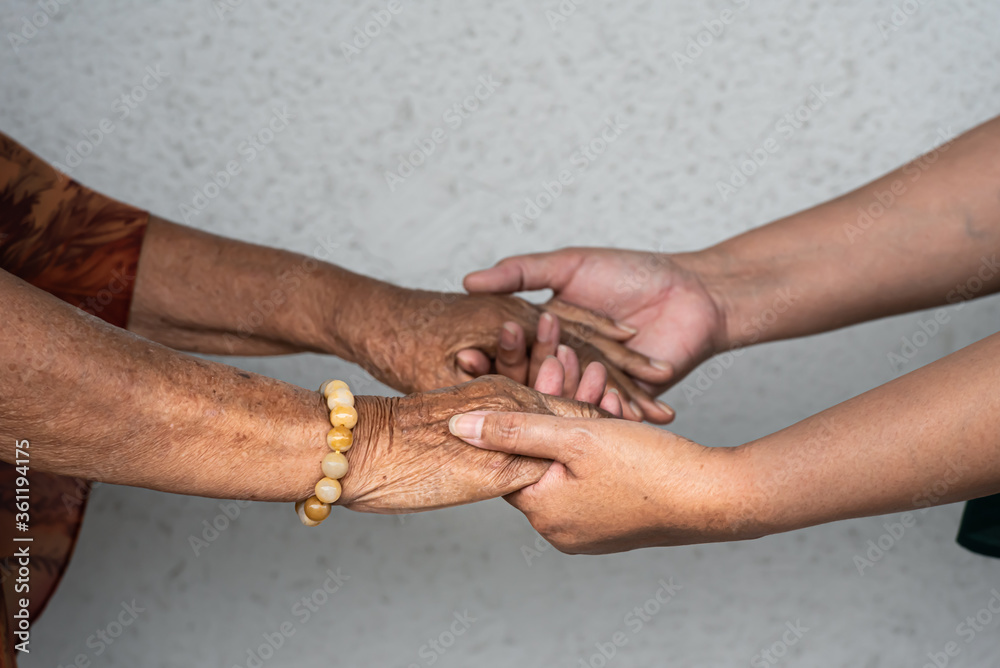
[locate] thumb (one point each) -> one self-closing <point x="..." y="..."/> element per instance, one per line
<point x="526" y="434"/>
<point x="525" y="272"/>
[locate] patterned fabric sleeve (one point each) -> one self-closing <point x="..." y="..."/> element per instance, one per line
<point x="84" y="248"/>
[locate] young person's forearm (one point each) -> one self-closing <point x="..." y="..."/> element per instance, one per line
<point x="97" y="402"/>
<point x="930" y="437"/>
<point x="204" y="293"/>
<point x="924" y="235"/>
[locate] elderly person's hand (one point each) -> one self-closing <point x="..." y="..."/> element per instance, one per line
<point x="414" y="340"/>
<point x="251" y="300"/>
<point x="405" y="460"/>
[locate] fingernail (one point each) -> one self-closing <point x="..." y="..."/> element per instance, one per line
<point x="508" y="337"/>
<point x="666" y="409"/>
<point x="662" y="365"/>
<point x="562" y="352"/>
<point x="468" y="425"/>
<point x="614" y="390"/>
<point x="626" y="328"/>
<point x="545" y="324"/>
<point x="635" y="409"/>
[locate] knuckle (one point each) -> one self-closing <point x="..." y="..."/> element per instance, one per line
<point x="578" y="441"/>
<point x="508" y="427"/>
<point x="510" y="357"/>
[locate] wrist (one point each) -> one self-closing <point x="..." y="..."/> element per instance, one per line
<point x="715" y="498"/>
<point x="749" y="295"/>
<point x="372" y="435"/>
<point x="344" y="311"/>
<point x="740" y="506"/>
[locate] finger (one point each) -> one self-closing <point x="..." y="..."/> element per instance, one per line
<point x="627" y="391"/>
<point x="526" y="434"/>
<point x="545" y="345"/>
<point x="593" y="383"/>
<point x="586" y="318"/>
<point x="653" y="410"/>
<point x="528" y="499"/>
<point x="641" y="367"/>
<point x="550" y="377"/>
<point x="512" y="355"/>
<point x="653" y="392"/>
<point x="612" y="403"/>
<point x="637" y="404"/>
<point x="526" y="272"/>
<point x="473" y="362"/>
<point x="571" y="368"/>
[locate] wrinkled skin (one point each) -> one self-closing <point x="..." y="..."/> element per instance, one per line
<point x="405" y="459"/>
<point x="413" y="340"/>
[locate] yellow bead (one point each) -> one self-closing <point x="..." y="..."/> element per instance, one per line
<point x="339" y="397"/>
<point x="334" y="465"/>
<point x="344" y="416"/>
<point x="300" y="509"/>
<point x="340" y="439"/>
<point x="331" y="385"/>
<point x="315" y="509"/>
<point x="328" y="490"/>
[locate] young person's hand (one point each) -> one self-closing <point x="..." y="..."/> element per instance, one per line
<point x="614" y="485"/>
<point x="656" y="304"/>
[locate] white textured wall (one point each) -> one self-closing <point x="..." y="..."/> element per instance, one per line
<point x="654" y="187"/>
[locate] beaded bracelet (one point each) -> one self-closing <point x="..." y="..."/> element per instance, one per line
<point x="343" y="417"/>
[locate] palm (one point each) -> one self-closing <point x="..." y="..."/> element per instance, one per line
<point x="676" y="318"/>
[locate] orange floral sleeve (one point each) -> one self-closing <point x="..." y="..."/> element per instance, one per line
<point x="82" y="247"/>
